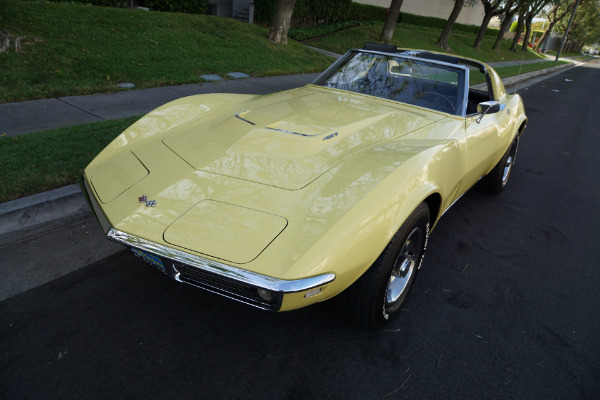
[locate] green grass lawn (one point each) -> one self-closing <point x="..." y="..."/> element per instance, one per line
<point x="513" y="70"/>
<point x="40" y="161"/>
<point x="572" y="54"/>
<point x="461" y="44"/>
<point x="71" y="49"/>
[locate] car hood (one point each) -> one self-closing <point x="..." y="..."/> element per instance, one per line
<point x="289" y="139"/>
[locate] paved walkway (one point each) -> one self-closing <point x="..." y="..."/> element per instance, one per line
<point x="37" y="115"/>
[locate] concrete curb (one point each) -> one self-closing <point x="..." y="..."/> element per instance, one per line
<point x="534" y="74"/>
<point x="33" y="211"/>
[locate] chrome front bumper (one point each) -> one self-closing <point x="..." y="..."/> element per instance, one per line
<point x="248" y="287"/>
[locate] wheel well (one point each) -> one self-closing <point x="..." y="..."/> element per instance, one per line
<point x="522" y="127"/>
<point x="434" y="202"/>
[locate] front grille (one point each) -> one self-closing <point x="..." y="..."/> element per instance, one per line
<point x="227" y="287"/>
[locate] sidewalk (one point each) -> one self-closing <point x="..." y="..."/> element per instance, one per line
<point x="37" y="115"/>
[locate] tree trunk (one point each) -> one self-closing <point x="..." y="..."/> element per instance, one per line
<point x="281" y="21"/>
<point x="545" y="36"/>
<point x="515" y="42"/>
<point x="528" y="21"/>
<point x="567" y="47"/>
<point x="553" y="20"/>
<point x="503" y="28"/>
<point x="486" y="21"/>
<point x="390" y="22"/>
<point x="443" y="40"/>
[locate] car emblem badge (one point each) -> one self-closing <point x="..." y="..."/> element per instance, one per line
<point x="149" y="203"/>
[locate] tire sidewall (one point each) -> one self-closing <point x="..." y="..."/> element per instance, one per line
<point x="419" y="218"/>
<point x="492" y="183"/>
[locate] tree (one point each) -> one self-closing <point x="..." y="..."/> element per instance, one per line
<point x="534" y="8"/>
<point x="585" y="28"/>
<point x="559" y="10"/>
<point x="520" y="23"/>
<point x="443" y="40"/>
<point x="390" y="22"/>
<point x="280" y="24"/>
<point x="510" y="10"/>
<point x="491" y="9"/>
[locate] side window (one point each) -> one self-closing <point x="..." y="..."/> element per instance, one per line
<point x="478" y="89"/>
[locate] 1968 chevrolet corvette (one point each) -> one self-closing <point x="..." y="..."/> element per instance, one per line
<point x="331" y="189"/>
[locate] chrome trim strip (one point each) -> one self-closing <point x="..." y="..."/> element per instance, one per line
<point x="229" y="295"/>
<point x="283" y="130"/>
<point x="450" y="206"/>
<point x="215" y="267"/>
<point x="93" y="204"/>
<point x="245" y="120"/>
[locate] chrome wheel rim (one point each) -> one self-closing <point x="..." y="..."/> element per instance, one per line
<point x="507" y="168"/>
<point x="404" y="267"/>
<point x="509" y="163"/>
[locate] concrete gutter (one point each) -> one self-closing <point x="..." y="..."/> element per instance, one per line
<point x="46" y="236"/>
<point x="31" y="212"/>
<point x="531" y="78"/>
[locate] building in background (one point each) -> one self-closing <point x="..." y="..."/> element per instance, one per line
<point x="435" y="8"/>
<point x="242" y="10"/>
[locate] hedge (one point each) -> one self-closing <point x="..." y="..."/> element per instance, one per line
<point x="185" y="6"/>
<point x="310" y="32"/>
<point x="102" y="3"/>
<point x="310" y="13"/>
<point x="310" y="18"/>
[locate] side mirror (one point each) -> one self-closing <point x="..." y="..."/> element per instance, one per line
<point x="488" y="107"/>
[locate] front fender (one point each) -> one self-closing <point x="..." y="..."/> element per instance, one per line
<point x="351" y="245"/>
<point x="160" y="122"/>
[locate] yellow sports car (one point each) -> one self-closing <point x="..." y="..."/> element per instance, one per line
<point x="331" y="189"/>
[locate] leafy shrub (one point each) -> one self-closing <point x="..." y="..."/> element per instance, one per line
<point x="310" y="32"/>
<point x="102" y="3"/>
<point x="366" y="12"/>
<point x="309" y="12"/>
<point x="185" y="6"/>
<point x="536" y="26"/>
<point x="334" y="15"/>
<point x="264" y="10"/>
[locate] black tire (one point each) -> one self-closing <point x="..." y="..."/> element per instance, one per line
<point x="496" y="180"/>
<point x="374" y="298"/>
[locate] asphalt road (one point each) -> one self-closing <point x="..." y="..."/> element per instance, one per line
<point x="505" y="307"/>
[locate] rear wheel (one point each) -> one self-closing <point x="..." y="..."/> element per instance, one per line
<point x="377" y="295"/>
<point x="496" y="180"/>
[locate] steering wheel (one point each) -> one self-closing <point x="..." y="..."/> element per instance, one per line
<point x="447" y="101"/>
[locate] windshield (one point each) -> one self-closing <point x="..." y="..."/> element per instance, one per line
<point x="418" y="82"/>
